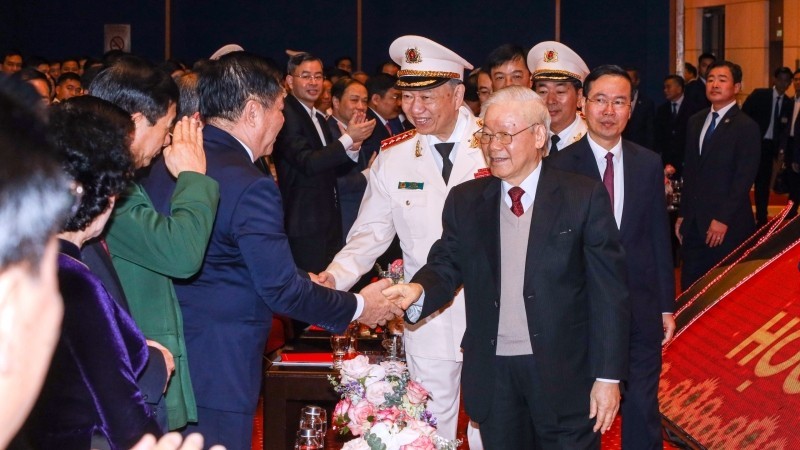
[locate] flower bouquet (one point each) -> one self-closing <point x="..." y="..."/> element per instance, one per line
<point x="384" y="408"/>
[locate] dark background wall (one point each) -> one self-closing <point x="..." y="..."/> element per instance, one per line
<point x="626" y="32"/>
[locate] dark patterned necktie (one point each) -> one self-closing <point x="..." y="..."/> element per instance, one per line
<point x="608" y="177"/>
<point x="709" y="131"/>
<point x="516" y="194"/>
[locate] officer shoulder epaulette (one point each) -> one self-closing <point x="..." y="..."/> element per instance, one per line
<point x="386" y="143"/>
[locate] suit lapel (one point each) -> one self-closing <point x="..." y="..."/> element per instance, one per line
<point x="545" y="211"/>
<point x="488" y="215"/>
<point x="308" y="124"/>
<point x="725" y="122"/>
<point x="630" y="164"/>
<point x="585" y="161"/>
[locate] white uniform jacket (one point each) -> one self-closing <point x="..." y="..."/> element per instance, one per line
<point x="405" y="195"/>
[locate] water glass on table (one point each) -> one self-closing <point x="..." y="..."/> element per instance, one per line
<point x="307" y="439"/>
<point x="314" y="417"/>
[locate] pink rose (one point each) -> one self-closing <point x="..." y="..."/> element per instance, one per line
<point x="416" y="393"/>
<point x="421" y="443"/>
<point x="388" y="416"/>
<point x="421" y="427"/>
<point x="376" y="392"/>
<point x="359" y="414"/>
<point x="356" y="368"/>
<point x="340" y="412"/>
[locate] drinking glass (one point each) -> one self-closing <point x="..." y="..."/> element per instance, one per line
<point x="339" y="345"/>
<point x="307" y="439"/>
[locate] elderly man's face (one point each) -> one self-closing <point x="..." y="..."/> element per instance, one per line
<point x="434" y="111"/>
<point x="271" y="121"/>
<point x="606" y="122"/>
<point x="511" y="73"/>
<point x="512" y="162"/>
<point x="561" y="99"/>
<point x="150" y="138"/>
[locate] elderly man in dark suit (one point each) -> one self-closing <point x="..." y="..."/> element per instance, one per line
<point x="772" y="110"/>
<point x="721" y="160"/>
<point x="634" y="177"/>
<point x="306" y="158"/>
<point x="248" y="272"/>
<point x="538" y="253"/>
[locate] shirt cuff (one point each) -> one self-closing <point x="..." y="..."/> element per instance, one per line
<point x="606" y="380"/>
<point x="359" y="306"/>
<point x="347" y="143"/>
<point x="415" y="310"/>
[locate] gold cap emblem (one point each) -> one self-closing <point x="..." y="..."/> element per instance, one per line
<point x="413" y="56"/>
<point x="550" y="56"/>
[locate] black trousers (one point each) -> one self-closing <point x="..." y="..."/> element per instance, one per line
<point x="641" y="419"/>
<point x="522" y="418"/>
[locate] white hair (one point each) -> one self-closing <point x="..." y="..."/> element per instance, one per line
<point x="531" y="104"/>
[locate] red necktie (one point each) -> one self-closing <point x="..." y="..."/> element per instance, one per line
<point x="608" y="177"/>
<point x="516" y="194"/>
<point x="389" y="129"/>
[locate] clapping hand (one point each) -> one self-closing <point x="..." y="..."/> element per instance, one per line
<point x="359" y="128"/>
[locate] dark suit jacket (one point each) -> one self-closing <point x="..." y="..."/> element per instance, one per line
<point x="670" y="134"/>
<point x="151" y="381"/>
<point x="695" y="93"/>
<point x="640" y="126"/>
<point x="307" y="175"/>
<point x="644" y="230"/>
<point x="759" y="107"/>
<point x="350" y="182"/>
<point x="575" y="296"/>
<point x="716" y="184"/>
<point x="247" y="275"/>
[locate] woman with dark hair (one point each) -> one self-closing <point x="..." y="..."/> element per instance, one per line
<point x="90" y="398"/>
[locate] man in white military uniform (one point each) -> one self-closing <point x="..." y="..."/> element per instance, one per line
<point x="407" y="187"/>
<point x="558" y="74"/>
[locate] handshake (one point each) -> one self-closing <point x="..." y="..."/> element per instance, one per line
<point x="382" y="300"/>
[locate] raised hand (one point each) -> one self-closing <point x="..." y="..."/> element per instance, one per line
<point x="377" y="308"/>
<point x="359" y="128"/>
<point x="186" y="151"/>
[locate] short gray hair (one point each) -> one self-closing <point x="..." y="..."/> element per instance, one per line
<point x="533" y="108"/>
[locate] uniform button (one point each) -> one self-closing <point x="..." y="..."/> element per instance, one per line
<point x="408" y="202"/>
